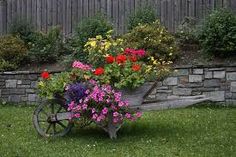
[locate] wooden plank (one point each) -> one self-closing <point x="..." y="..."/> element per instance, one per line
<point x="121" y="16"/>
<point x="80" y="10"/>
<point x="9" y="15"/>
<point x="44" y="15"/>
<point x="85" y="8"/>
<point x="59" y="6"/>
<point x="103" y="6"/>
<point x="49" y="13"/>
<point x="115" y="15"/>
<point x="109" y="10"/>
<point x="64" y="16"/>
<point x="68" y="17"/>
<point x="54" y="13"/>
<point x="3" y="17"/>
<point x="39" y="14"/>
<point x="74" y="14"/>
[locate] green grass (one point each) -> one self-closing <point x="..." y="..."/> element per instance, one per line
<point x="203" y="132"/>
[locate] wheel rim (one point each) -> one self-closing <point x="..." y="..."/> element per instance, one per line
<point x="45" y="126"/>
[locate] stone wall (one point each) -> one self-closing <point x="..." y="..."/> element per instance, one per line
<point x="218" y="82"/>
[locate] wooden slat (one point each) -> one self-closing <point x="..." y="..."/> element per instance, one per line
<point x="68" y="13"/>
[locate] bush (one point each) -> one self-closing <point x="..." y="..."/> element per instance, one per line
<point x="154" y="38"/>
<point x="89" y="28"/>
<point x="12" y="52"/>
<point x="141" y="16"/>
<point x="186" y="33"/>
<point x="23" y="29"/>
<point x="46" y="48"/>
<point x="218" y="34"/>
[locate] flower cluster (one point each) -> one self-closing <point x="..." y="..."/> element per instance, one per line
<point x="101" y="102"/>
<point x="80" y="65"/>
<point x="140" y="53"/>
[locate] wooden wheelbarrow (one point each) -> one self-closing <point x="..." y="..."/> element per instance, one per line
<point x="51" y="118"/>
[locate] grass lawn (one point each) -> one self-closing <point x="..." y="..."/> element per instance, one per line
<point x="196" y="131"/>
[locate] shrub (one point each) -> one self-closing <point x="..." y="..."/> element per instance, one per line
<point x="154" y="38"/>
<point x="218" y="34"/>
<point x="12" y="52"/>
<point x="46" y="47"/>
<point x="141" y="16"/>
<point x="89" y="28"/>
<point x="186" y="33"/>
<point x="23" y="29"/>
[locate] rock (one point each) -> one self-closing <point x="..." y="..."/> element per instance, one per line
<point x="161" y="96"/>
<point x="11" y="83"/>
<point x="197" y="71"/>
<point x="182" y="91"/>
<point x="231" y="76"/>
<point x="171" y="81"/>
<point x="215" y="95"/>
<point x="32" y="97"/>
<point x="208" y="75"/>
<point x="233" y="87"/>
<point x="219" y="74"/>
<point x="195" y="78"/>
<point x="212" y="83"/>
<point x="14" y="98"/>
<point x="181" y="72"/>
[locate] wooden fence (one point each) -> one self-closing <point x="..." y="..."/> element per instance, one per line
<point x="67" y="13"/>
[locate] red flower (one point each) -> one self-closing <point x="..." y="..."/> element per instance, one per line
<point x="110" y="59"/>
<point x="136" y="67"/>
<point x="120" y="59"/>
<point x="45" y="75"/>
<point x="133" y="58"/>
<point x="99" y="71"/>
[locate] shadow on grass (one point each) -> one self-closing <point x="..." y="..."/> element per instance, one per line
<point x="128" y="131"/>
<point x="212" y="105"/>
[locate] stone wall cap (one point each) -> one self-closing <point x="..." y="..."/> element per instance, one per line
<point x="25" y="72"/>
<point x="204" y="66"/>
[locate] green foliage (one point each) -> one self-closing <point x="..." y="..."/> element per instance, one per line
<point x="141" y="16"/>
<point x="186" y="33"/>
<point x="12" y="52"/>
<point x="154" y="38"/>
<point x="48" y="47"/>
<point x="184" y="132"/>
<point x="55" y="84"/>
<point x="218" y="34"/>
<point x="89" y="28"/>
<point x="23" y="29"/>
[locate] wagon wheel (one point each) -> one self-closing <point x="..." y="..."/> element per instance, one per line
<point x="44" y="126"/>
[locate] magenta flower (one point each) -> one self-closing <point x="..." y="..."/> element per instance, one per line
<point x="105" y="110"/>
<point x="116" y="114"/>
<point x="80" y="65"/>
<point x="138" y="114"/>
<point x="128" y="115"/>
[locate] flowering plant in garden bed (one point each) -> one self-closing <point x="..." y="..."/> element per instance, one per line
<point x="92" y="90"/>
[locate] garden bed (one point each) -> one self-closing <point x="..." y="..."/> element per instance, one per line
<point x="196" y="131"/>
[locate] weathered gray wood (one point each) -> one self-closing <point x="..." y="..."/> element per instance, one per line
<point x="67" y="13"/>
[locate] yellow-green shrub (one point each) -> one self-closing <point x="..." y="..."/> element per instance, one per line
<point x="12" y="52"/>
<point x="154" y="38"/>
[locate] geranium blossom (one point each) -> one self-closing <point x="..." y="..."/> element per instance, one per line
<point x="140" y="53"/>
<point x="45" y="75"/>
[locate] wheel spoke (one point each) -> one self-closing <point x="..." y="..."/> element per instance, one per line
<point x="54" y="128"/>
<point x="48" y="128"/>
<point x="61" y="124"/>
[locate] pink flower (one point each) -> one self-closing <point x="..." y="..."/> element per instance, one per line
<point x="93" y="110"/>
<point x="128" y="115"/>
<point x="138" y="114"/>
<point x="80" y="65"/>
<point x="84" y="106"/>
<point x="105" y="110"/>
<point x="115" y="120"/>
<point x="71" y="105"/>
<point x="116" y="114"/>
<point x="94" y="117"/>
<point x="77" y="115"/>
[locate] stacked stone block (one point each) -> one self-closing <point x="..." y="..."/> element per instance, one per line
<point x="217" y="82"/>
<point x="18" y="87"/>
